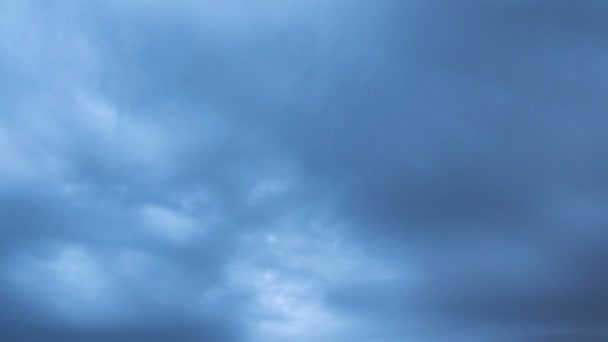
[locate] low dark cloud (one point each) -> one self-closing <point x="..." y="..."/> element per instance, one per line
<point x="303" y="171"/>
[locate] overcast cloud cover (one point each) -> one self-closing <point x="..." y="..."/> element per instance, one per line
<point x="304" y="170"/>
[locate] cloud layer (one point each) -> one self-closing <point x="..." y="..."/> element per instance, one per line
<point x="303" y="170"/>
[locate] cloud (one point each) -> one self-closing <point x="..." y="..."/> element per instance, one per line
<point x="303" y="170"/>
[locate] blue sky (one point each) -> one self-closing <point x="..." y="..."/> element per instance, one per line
<point x="303" y="170"/>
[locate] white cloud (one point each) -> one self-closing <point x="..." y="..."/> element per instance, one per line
<point x="77" y="271"/>
<point x="70" y="281"/>
<point x="169" y="224"/>
<point x="286" y="274"/>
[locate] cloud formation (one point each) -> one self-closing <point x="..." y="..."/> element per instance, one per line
<point x="303" y="170"/>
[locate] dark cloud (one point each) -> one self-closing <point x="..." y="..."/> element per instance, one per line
<point x="303" y="171"/>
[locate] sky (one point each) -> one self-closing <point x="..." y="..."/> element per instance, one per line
<point x="304" y="170"/>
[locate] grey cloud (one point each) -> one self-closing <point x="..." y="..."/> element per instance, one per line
<point x="303" y="171"/>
